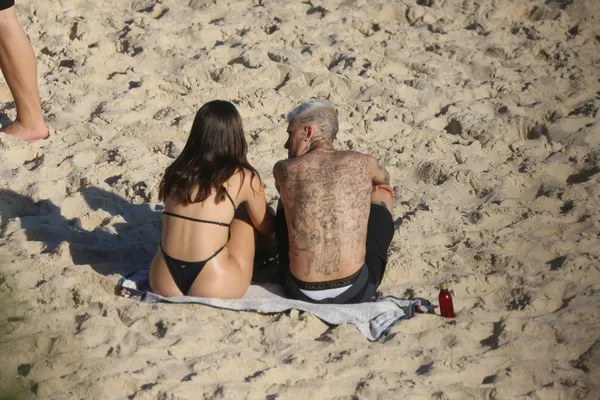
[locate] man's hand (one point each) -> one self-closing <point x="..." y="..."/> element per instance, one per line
<point x="386" y="188"/>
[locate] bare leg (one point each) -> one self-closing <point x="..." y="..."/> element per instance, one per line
<point x="19" y="68"/>
<point x="382" y="194"/>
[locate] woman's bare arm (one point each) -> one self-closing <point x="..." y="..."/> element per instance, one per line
<point x="260" y="214"/>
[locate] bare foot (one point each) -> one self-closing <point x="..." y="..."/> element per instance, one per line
<point x="19" y="132"/>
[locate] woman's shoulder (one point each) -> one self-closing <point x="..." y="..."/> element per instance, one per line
<point x="248" y="180"/>
<point x="247" y="175"/>
<point x="244" y="178"/>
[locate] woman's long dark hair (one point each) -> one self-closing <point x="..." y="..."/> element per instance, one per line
<point x="215" y="150"/>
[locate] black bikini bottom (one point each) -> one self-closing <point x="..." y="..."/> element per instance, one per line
<point x="184" y="273"/>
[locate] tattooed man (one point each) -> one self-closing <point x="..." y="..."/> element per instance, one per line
<point x="334" y="221"/>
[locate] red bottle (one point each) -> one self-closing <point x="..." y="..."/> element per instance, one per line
<point x="446" y="307"/>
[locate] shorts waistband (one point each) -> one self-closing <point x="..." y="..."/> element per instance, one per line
<point x="337" y="283"/>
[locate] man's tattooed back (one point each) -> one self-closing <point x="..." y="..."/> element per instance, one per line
<point x="326" y="196"/>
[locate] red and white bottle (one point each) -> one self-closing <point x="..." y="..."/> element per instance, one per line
<point x="445" y="298"/>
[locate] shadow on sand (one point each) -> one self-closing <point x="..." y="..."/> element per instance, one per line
<point x="123" y="242"/>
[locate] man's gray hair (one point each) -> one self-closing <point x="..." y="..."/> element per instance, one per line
<point x="321" y="113"/>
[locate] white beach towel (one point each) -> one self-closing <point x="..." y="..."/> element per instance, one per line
<point x="372" y="319"/>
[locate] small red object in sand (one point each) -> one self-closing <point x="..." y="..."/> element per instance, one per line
<point x="445" y="297"/>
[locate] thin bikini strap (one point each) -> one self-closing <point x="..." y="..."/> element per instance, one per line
<point x="195" y="219"/>
<point x="189" y="262"/>
<point x="214" y="255"/>
<point x="230" y="199"/>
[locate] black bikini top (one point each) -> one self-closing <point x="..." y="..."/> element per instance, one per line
<point x="204" y="220"/>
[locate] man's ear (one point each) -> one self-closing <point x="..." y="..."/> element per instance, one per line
<point x="309" y="131"/>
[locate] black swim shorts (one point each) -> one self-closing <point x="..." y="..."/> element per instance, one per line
<point x="380" y="232"/>
<point x="4" y="4"/>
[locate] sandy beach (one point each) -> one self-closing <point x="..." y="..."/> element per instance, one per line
<point x="485" y="113"/>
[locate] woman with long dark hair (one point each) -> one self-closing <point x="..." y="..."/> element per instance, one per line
<point x="214" y="204"/>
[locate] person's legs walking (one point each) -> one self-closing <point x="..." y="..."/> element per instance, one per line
<point x="19" y="68"/>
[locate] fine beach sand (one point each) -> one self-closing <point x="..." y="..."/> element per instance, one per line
<point x="485" y="113"/>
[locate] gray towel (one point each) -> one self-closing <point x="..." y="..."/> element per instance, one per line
<point x="372" y="319"/>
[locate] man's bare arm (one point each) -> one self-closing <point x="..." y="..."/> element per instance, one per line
<point x="380" y="175"/>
